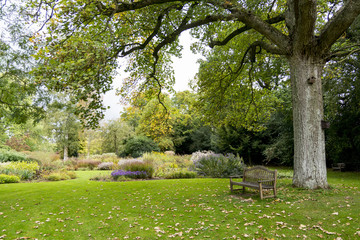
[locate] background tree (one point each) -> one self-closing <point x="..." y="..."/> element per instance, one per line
<point x="279" y="148"/>
<point x="342" y="101"/>
<point x="156" y="122"/>
<point x="91" y="142"/>
<point x="240" y="141"/>
<point x="190" y="132"/>
<point x="83" y="41"/>
<point x="114" y="133"/>
<point x="64" y="127"/>
<point x="136" y="146"/>
<point x="20" y="99"/>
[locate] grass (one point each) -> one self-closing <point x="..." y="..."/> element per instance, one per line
<point x="182" y="209"/>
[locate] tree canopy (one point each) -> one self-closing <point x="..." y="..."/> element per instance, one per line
<point x="20" y="98"/>
<point x="83" y="40"/>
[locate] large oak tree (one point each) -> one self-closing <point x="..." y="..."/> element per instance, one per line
<point x="85" y="38"/>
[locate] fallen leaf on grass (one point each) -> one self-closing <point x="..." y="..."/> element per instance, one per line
<point x="249" y="223"/>
<point x="302" y="227"/>
<point x="324" y="231"/>
<point x="158" y="230"/>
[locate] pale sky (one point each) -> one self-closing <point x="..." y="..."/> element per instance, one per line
<point x="185" y="69"/>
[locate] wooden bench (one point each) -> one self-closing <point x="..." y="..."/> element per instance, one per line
<point x="257" y="177"/>
<point x="338" y="166"/>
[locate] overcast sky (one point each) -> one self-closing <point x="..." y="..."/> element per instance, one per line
<point x="185" y="69"/>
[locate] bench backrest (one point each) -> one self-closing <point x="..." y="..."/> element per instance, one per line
<point x="259" y="173"/>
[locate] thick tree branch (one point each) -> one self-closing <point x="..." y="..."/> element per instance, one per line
<point x="239" y="31"/>
<point x="338" y="25"/>
<point x="270" y="48"/>
<point x="259" y="25"/>
<point x="152" y="35"/>
<point x="134" y="5"/>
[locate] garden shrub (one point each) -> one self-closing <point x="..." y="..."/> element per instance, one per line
<point x="146" y="169"/>
<point x="49" y="165"/>
<point x="129" y="160"/>
<point x="40" y="156"/>
<point x="24" y="170"/>
<point x="4" y="178"/>
<point x="164" y="163"/>
<point x="56" y="176"/>
<point x="101" y="177"/>
<point x="138" y="145"/>
<point x="106" y="166"/>
<point x="11" y="156"/>
<point x="217" y="165"/>
<point x="60" y="175"/>
<point x="87" y="163"/>
<point x="181" y="174"/>
<point x="71" y="174"/>
<point x="105" y="157"/>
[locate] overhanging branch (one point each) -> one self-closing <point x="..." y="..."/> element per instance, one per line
<point x="255" y="22"/>
<point x="134" y="5"/>
<point x="239" y="31"/>
<point x="344" y="52"/>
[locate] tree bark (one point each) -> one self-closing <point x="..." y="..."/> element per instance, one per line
<point x="309" y="138"/>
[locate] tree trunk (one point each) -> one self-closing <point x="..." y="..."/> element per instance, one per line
<point x="309" y="138"/>
<point x="65" y="153"/>
<point x="88" y="145"/>
<point x="115" y="145"/>
<point x="66" y="147"/>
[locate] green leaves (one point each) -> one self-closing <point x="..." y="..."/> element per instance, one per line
<point x="234" y="91"/>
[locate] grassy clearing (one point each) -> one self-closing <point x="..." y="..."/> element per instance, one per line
<point x="188" y="208"/>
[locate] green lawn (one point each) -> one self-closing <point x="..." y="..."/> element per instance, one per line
<point x="181" y="209"/>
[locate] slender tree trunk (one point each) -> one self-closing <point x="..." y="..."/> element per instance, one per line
<point x="65" y="153"/>
<point x="309" y="138"/>
<point x="66" y="147"/>
<point x="88" y="144"/>
<point x="115" y="145"/>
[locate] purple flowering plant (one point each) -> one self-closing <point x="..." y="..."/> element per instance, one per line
<point x="129" y="174"/>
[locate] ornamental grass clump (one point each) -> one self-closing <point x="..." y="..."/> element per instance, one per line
<point x="180" y="174"/>
<point x="122" y="174"/>
<point x="106" y="166"/>
<point x="139" y="167"/>
<point x="60" y="175"/>
<point x="87" y="164"/>
<point x="217" y="165"/>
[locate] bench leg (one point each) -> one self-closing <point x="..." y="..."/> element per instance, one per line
<point x="261" y="191"/>
<point x="274" y="192"/>
<point x="231" y="186"/>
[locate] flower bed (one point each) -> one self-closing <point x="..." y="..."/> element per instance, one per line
<point x="118" y="174"/>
